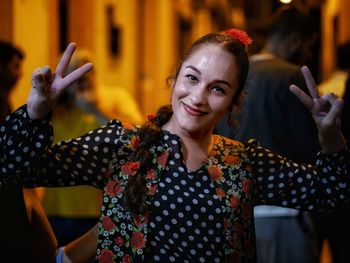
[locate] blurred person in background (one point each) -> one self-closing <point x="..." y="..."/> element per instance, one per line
<point x="280" y="122"/>
<point x="25" y="233"/>
<point x="105" y="102"/>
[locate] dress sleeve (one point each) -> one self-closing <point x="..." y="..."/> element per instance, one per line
<point x="282" y="182"/>
<point x="22" y="140"/>
<point x="80" y="161"/>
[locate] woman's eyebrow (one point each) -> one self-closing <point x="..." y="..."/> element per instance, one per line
<point x="216" y="80"/>
<point x="194" y="68"/>
<point x="223" y="82"/>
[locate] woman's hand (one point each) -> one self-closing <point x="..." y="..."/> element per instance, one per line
<point x="325" y="110"/>
<point x="48" y="86"/>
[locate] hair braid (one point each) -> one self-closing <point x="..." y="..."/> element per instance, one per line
<point x="149" y="133"/>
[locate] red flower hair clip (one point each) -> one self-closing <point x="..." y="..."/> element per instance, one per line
<point x="240" y="35"/>
<point x="151" y="117"/>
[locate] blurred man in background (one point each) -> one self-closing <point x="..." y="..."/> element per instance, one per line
<point x="25" y="234"/>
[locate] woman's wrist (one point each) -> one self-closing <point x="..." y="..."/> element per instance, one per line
<point x="61" y="256"/>
<point x="332" y="143"/>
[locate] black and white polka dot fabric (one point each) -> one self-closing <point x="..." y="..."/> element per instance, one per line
<point x="16" y="153"/>
<point x="186" y="224"/>
<point x="198" y="216"/>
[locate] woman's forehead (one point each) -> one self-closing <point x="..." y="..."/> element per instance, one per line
<point x="212" y="58"/>
<point x="210" y="54"/>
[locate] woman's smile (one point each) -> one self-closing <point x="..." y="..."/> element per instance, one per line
<point x="193" y="111"/>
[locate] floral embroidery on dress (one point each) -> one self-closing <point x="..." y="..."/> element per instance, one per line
<point x="101" y="158"/>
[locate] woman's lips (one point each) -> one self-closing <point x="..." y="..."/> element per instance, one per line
<point x="192" y="111"/>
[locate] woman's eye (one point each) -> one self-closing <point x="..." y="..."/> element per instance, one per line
<point x="191" y="77"/>
<point x="218" y="89"/>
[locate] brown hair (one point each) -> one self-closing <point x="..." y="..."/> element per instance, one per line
<point x="149" y="133"/>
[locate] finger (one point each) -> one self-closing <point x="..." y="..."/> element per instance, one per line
<point x="76" y="74"/>
<point x="330" y="97"/>
<point x="47" y="73"/>
<point x="324" y="103"/>
<point x="67" y="55"/>
<point x="302" y="96"/>
<point x="310" y="82"/>
<point x="335" y="111"/>
<point x="38" y="80"/>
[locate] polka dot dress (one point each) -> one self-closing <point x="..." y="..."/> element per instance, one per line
<point x="186" y="223"/>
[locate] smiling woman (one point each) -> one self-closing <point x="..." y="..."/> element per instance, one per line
<point x="173" y="191"/>
<point x="201" y="97"/>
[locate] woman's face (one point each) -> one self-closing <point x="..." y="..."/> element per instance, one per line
<point x="203" y="90"/>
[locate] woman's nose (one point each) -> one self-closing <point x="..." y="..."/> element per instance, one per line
<point x="199" y="95"/>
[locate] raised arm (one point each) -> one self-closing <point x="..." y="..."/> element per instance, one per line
<point x="325" y="110"/>
<point x="47" y="86"/>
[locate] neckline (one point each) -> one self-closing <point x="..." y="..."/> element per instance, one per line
<point x="178" y="149"/>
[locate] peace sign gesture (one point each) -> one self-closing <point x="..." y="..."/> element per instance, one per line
<point x="48" y="86"/>
<point x="325" y="110"/>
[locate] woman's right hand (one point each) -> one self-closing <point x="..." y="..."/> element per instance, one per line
<point x="48" y="86"/>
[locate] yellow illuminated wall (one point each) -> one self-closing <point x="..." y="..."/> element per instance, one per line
<point x="35" y="29"/>
<point x="149" y="40"/>
<point x="335" y="30"/>
<point x="30" y="32"/>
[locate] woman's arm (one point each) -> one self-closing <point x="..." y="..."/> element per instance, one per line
<point x="326" y="111"/>
<point x="45" y="241"/>
<point x="81" y="250"/>
<point x="282" y="182"/>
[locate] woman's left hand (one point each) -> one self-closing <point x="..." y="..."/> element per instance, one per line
<point x="326" y="111"/>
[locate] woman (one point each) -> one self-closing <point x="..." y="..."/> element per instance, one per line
<point x="173" y="191"/>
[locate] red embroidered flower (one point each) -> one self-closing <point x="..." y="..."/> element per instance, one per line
<point x="225" y="224"/>
<point x="137" y="220"/>
<point x="161" y="160"/>
<point x="135" y="142"/>
<point x="113" y="188"/>
<point x="247" y="185"/>
<point x="106" y="256"/>
<point x="215" y="173"/>
<point x="220" y="192"/>
<point x="151" y="117"/>
<point x="232" y="241"/>
<point x="249" y="168"/>
<point x="127" y="126"/>
<point x="151" y="175"/>
<point x="240" y="35"/>
<point x="127" y="259"/>
<point x="152" y="190"/>
<point x="232" y="159"/>
<point x="119" y="241"/>
<point x="234" y="201"/>
<point x="108" y="223"/>
<point x="107" y="173"/>
<point x="130" y="168"/>
<point x="137" y="240"/>
<point x="146" y="218"/>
